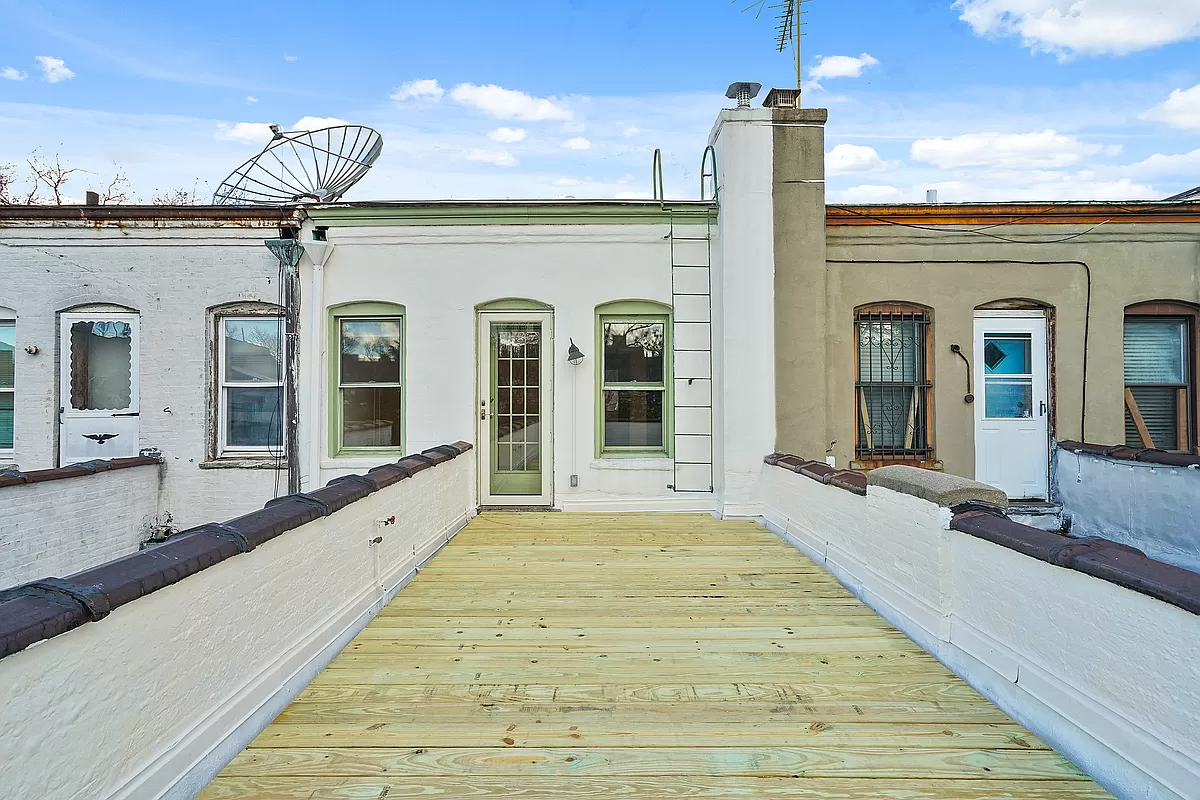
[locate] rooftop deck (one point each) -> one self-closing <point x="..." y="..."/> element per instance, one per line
<point x="640" y="656"/>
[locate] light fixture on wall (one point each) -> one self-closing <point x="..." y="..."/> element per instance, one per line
<point x="574" y="355"/>
<point x="574" y="358"/>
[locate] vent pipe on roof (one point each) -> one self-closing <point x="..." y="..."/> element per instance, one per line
<point x="743" y="92"/>
<point x="931" y="195"/>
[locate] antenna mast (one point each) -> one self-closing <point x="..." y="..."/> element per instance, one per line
<point x="789" y="24"/>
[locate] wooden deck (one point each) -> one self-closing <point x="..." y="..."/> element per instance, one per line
<point x="638" y="656"/>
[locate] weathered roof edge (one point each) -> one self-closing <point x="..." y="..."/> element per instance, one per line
<point x="1071" y="212"/>
<point x="137" y="213"/>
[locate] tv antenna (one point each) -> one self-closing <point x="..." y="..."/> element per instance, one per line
<point x="789" y="24"/>
<point x="302" y="167"/>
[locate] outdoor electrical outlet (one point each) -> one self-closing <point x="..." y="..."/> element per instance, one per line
<point x="574" y="480"/>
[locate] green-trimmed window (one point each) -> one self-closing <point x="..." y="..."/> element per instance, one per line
<point x="634" y="363"/>
<point x="367" y="379"/>
<point x="8" y="363"/>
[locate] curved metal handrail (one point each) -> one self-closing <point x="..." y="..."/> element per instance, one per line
<point x="704" y="161"/>
<point x="656" y="177"/>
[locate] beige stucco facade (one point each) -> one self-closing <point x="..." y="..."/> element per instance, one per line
<point x="874" y="254"/>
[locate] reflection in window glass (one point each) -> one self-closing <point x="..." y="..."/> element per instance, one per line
<point x="101" y="365"/>
<point x="369" y="382"/>
<point x="634" y="384"/>
<point x="1008" y="398"/>
<point x="1008" y="355"/>
<point x="8" y="362"/>
<point x="252" y="398"/>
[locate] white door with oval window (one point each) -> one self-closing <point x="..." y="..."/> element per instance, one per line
<point x="98" y="380"/>
<point x="1012" y="435"/>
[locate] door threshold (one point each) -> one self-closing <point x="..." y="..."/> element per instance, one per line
<point x="522" y="509"/>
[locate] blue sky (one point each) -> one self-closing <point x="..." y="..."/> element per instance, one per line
<point x="982" y="99"/>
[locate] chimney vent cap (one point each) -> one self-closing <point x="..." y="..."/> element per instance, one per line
<point x="743" y="92"/>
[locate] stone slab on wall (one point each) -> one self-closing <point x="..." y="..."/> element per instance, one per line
<point x="1107" y="676"/>
<point x="58" y="527"/>
<point x="1152" y="507"/>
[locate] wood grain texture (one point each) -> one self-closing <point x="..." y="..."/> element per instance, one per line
<point x="638" y="656"/>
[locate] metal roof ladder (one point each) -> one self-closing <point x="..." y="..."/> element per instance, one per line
<point x="691" y="299"/>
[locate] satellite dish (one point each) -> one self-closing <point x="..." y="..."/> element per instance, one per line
<point x="302" y="167"/>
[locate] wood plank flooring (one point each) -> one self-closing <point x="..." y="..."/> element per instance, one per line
<point x="638" y="656"/>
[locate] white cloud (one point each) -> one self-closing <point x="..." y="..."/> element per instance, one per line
<point x="573" y="127"/>
<point x="1180" y="110"/>
<point x="509" y="103"/>
<point x="420" y="89"/>
<point x="632" y="130"/>
<point x="54" y="70"/>
<point x="578" y="143"/>
<point x="288" y="58"/>
<point x="1070" y="27"/>
<point x="845" y="159"/>
<point x="1180" y="165"/>
<point x="567" y="182"/>
<point x="316" y="123"/>
<point x="12" y="74"/>
<point x="507" y="135"/>
<point x="499" y="158"/>
<point x="247" y="132"/>
<point x="251" y="99"/>
<point x="871" y="193"/>
<point x="1012" y="150"/>
<point x="841" y="66"/>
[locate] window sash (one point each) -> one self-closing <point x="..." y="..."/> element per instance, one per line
<point x="397" y="385"/>
<point x="8" y="384"/>
<point x="659" y="386"/>
<point x="1158" y="381"/>
<point x="225" y="384"/>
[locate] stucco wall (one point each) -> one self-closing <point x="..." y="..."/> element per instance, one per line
<point x="1130" y="263"/>
<point x="170" y="273"/>
<point x="1109" y="677"/>
<point x="55" y="528"/>
<point x="1152" y="507"/>
<point x="441" y="273"/>
<point x="157" y="696"/>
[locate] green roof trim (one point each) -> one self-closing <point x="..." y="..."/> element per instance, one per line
<point x="512" y="213"/>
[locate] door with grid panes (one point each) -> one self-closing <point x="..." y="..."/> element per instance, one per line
<point x="514" y="409"/>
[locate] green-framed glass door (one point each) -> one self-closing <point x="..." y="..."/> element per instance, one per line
<point x="516" y="409"/>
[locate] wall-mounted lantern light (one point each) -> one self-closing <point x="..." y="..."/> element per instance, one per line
<point x="574" y="355"/>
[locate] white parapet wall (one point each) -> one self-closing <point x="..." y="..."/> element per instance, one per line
<point x="154" y="699"/>
<point x="58" y="526"/>
<point x="1108" y="676"/>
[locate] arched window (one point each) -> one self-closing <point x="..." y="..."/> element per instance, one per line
<point x="249" y="356"/>
<point x="366" y="379"/>
<point x="634" y="379"/>
<point x="1160" y="375"/>
<point x="8" y="380"/>
<point x="893" y="384"/>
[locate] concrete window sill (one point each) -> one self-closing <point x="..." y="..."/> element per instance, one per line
<point x="633" y="463"/>
<point x="242" y="463"/>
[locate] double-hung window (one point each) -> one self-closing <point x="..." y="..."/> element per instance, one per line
<point x="368" y="380"/>
<point x="892" y="386"/>
<point x="8" y="363"/>
<point x="635" y="411"/>
<point x="1159" y="392"/>
<point x="252" y="355"/>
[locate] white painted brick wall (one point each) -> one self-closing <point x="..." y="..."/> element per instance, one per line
<point x="133" y="701"/>
<point x="171" y="273"/>
<point x="56" y="528"/>
<point x="1108" y="676"/>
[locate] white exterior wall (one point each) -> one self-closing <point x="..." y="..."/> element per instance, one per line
<point x="171" y="273"/>
<point x="441" y="273"/>
<point x="217" y="656"/>
<point x="57" y="528"/>
<point x="744" y="304"/>
<point x="1107" y="676"/>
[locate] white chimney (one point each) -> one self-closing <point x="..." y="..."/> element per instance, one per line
<point x="931" y="195"/>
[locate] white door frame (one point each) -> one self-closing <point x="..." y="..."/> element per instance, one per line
<point x="484" y="411"/>
<point x="1013" y="454"/>
<point x="124" y="422"/>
